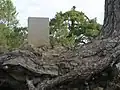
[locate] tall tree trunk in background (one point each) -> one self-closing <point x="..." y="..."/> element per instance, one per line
<point x="111" y="27"/>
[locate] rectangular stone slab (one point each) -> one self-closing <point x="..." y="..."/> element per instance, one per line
<point x="38" y="31"/>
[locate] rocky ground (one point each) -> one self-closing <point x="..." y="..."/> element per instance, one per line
<point x="43" y="68"/>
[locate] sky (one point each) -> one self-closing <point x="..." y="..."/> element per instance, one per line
<point x="48" y="8"/>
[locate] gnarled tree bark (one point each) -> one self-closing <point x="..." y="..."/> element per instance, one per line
<point x="111" y="19"/>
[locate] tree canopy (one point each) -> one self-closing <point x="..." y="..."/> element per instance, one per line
<point x="11" y="36"/>
<point x="8" y="13"/>
<point x="73" y="27"/>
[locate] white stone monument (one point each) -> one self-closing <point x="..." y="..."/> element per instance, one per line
<point x="38" y="31"/>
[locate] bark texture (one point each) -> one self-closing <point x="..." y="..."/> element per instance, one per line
<point x="60" y="69"/>
<point x="111" y="18"/>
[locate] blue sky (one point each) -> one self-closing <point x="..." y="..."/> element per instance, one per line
<point x="48" y="8"/>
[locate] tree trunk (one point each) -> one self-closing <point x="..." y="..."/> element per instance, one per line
<point x="90" y="64"/>
<point x="111" y="18"/>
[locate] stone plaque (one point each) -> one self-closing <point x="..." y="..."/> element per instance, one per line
<point x="38" y="31"/>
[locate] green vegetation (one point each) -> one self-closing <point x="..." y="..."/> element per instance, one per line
<point x="72" y="27"/>
<point x="67" y="29"/>
<point x="11" y="36"/>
